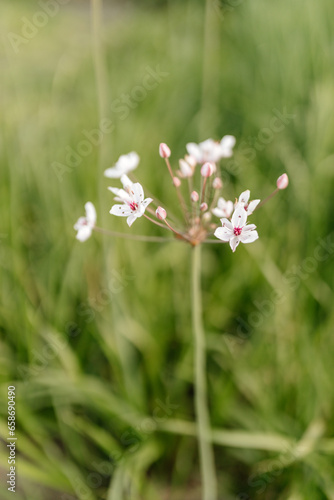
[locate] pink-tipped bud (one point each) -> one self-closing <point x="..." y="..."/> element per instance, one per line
<point x="207" y="169"/>
<point x="194" y="196"/>
<point x="282" y="181"/>
<point x="176" y="182"/>
<point x="164" y="150"/>
<point x="161" y="213"/>
<point x="203" y="207"/>
<point x="217" y="183"/>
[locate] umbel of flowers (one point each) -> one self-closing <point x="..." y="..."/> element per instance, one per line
<point x="207" y="217"/>
<point x="198" y="185"/>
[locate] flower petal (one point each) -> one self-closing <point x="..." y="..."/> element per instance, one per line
<point x="244" y="197"/>
<point x="234" y="242"/>
<point x="252" y="206"/>
<point x="126" y="181"/>
<point x="223" y="233"/>
<point x="248" y="236"/>
<point x="128" y="162"/>
<point x="138" y="192"/>
<point x="121" y="194"/>
<point x="120" y="210"/>
<point x="218" y="212"/>
<point x="239" y="217"/>
<point x="194" y="151"/>
<point x="113" y="173"/>
<point x="227" y="223"/>
<point x="84" y="233"/>
<point x="130" y="220"/>
<point x="90" y="213"/>
<point x="248" y="227"/>
<point x="226" y="145"/>
<point x="146" y="202"/>
<point x="82" y="221"/>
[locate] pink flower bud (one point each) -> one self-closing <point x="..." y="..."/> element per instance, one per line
<point x="207" y="169"/>
<point x="203" y="207"/>
<point x="217" y="183"/>
<point x="194" y="196"/>
<point x="282" y="181"/>
<point x="176" y="182"/>
<point x="164" y="150"/>
<point x="161" y="213"/>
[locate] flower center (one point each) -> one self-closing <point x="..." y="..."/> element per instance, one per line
<point x="133" y="206"/>
<point x="237" y="231"/>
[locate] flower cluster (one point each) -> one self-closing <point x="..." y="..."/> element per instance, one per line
<point x="198" y="168"/>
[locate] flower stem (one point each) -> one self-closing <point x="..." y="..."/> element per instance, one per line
<point x="207" y="464"/>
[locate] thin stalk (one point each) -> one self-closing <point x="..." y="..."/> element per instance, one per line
<point x="136" y="237"/>
<point x="207" y="463"/>
<point x="267" y="199"/>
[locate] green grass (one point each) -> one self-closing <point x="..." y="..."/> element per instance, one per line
<point x="87" y="408"/>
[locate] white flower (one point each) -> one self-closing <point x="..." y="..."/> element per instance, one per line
<point x="237" y="230"/>
<point x="211" y="150"/>
<point x="243" y="202"/>
<point x="124" y="165"/>
<point x="132" y="196"/>
<point x="85" y="225"/>
<point x="224" y="208"/>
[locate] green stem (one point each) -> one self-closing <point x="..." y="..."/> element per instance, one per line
<point x="207" y="463"/>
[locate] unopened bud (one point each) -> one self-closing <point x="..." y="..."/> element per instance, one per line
<point x="161" y="213"/>
<point x="185" y="168"/>
<point x="194" y="196"/>
<point x="282" y="181"/>
<point x="217" y="183"/>
<point x="176" y="182"/>
<point x="164" y="150"/>
<point x="203" y="207"/>
<point x="207" y="169"/>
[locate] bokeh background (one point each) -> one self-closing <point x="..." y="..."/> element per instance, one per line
<point x="96" y="337"/>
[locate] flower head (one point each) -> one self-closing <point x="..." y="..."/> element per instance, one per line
<point x="124" y="165"/>
<point x="243" y="201"/>
<point x="223" y="209"/>
<point x="237" y="229"/>
<point x="211" y="150"/>
<point x="132" y="196"/>
<point x="85" y="225"/>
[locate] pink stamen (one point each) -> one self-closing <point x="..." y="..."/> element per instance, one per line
<point x="133" y="206"/>
<point x="237" y="231"/>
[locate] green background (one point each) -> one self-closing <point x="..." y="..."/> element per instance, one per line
<point x="96" y="337"/>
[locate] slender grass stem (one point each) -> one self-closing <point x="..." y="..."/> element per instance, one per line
<point x="202" y="413"/>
